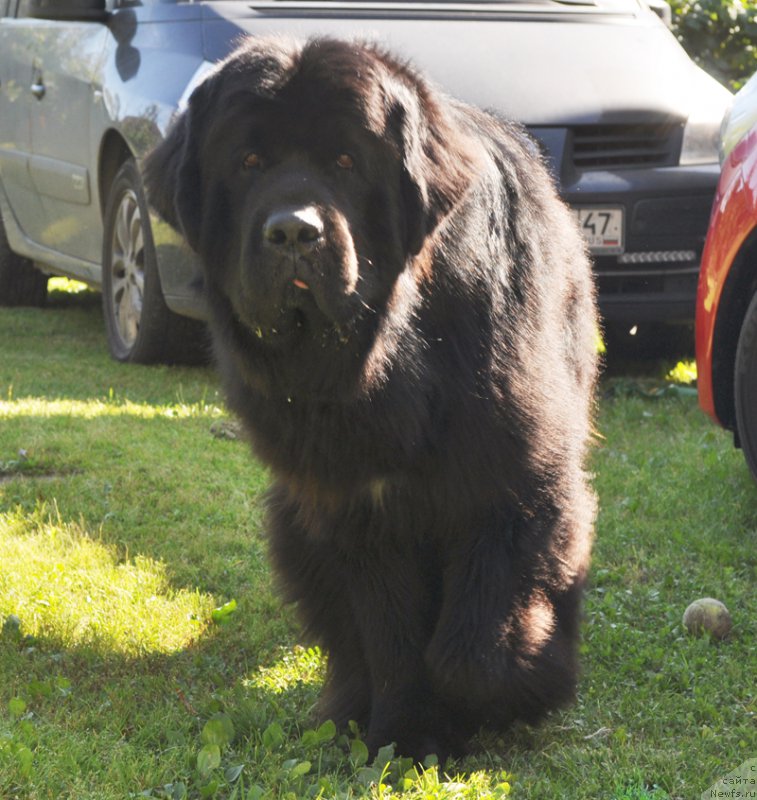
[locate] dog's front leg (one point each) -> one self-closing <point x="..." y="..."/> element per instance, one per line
<point x="394" y="601"/>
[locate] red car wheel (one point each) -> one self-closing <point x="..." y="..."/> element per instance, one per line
<point x="745" y="386"/>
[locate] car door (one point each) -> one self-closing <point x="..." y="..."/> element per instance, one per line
<point x="18" y="191"/>
<point x="65" y="62"/>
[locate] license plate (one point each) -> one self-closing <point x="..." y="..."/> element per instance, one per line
<point x="602" y="228"/>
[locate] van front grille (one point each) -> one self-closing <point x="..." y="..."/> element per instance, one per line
<point x="617" y="146"/>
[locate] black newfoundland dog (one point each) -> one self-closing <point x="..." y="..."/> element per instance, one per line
<point x="403" y="315"/>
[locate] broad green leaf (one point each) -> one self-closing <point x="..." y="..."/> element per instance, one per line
<point x="210" y="789"/>
<point x="25" y="759"/>
<point x="384" y="756"/>
<point x="222" y="614"/>
<point x="273" y="736"/>
<point x="232" y="773"/>
<point x="326" y="732"/>
<point x="315" y="738"/>
<point x="368" y="775"/>
<point x="176" y="791"/>
<point x="302" y="768"/>
<point x="309" y="739"/>
<point x="208" y="759"/>
<point x="359" y="752"/>
<point x="219" y="729"/>
<point x="16" y="706"/>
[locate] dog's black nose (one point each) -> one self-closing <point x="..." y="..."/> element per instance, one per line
<point x="295" y="227"/>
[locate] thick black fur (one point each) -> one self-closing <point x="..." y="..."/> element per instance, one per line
<point x="418" y="373"/>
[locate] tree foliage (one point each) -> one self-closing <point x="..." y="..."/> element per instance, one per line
<point x="720" y="35"/>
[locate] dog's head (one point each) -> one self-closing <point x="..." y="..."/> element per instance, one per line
<point x="307" y="177"/>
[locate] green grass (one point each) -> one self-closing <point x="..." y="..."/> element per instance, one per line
<point x="144" y="653"/>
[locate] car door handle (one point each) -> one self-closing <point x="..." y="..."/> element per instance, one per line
<point x="38" y="90"/>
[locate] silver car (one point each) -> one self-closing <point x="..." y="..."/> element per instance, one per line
<point x="625" y="119"/>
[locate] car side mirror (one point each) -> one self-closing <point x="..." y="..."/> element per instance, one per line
<point x="73" y="10"/>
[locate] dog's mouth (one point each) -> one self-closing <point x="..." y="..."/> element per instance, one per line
<point x="287" y="329"/>
<point x="322" y="289"/>
<point x="299" y="301"/>
<point x="296" y="318"/>
<point x="289" y="308"/>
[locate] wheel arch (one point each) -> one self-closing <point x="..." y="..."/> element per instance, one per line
<point x="737" y="293"/>
<point x="114" y="151"/>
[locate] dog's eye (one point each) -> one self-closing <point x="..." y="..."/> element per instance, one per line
<point x="252" y="161"/>
<point x="345" y="161"/>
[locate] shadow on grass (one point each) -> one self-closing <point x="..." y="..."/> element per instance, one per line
<point x="114" y="666"/>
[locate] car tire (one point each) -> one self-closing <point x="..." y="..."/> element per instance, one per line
<point x="745" y="386"/>
<point x="139" y="325"/>
<point x="20" y="283"/>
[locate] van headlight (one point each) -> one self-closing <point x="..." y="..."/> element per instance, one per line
<point x="701" y="134"/>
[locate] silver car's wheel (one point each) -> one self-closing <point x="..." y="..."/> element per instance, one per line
<point x="127" y="280"/>
<point x="139" y="325"/>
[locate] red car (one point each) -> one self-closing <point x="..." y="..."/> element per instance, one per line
<point x="726" y="315"/>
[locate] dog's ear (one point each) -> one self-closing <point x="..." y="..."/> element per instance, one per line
<point x="172" y="170"/>
<point x="437" y="161"/>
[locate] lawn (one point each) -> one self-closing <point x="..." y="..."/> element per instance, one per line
<point x="144" y="653"/>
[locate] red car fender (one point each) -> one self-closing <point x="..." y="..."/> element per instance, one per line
<point x="734" y="217"/>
